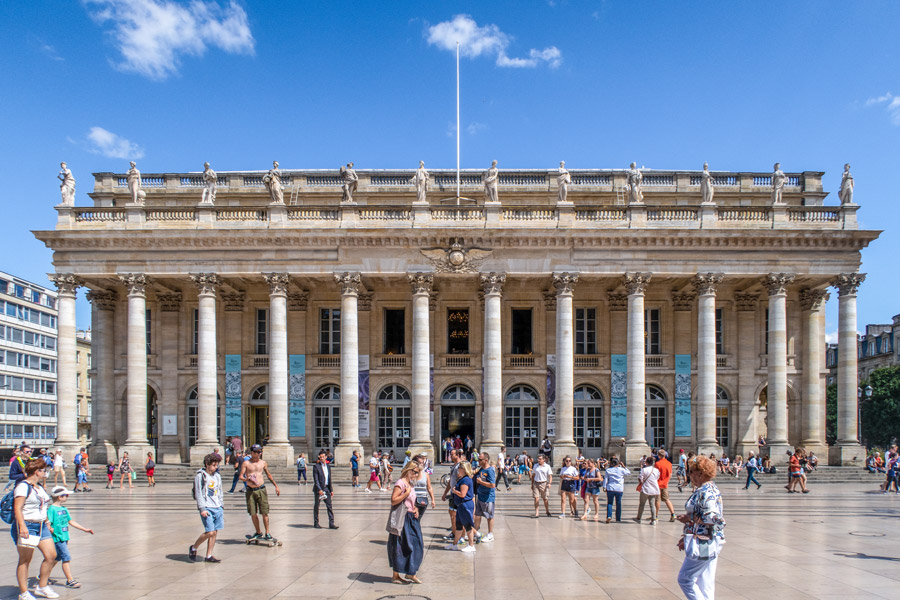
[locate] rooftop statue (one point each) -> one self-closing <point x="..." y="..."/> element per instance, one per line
<point x="778" y="181"/>
<point x="66" y="185"/>
<point x="350" y="183"/>
<point x="635" y="179"/>
<point x="707" y="185"/>
<point x="272" y="181"/>
<point x="490" y="180"/>
<point x="846" y="193"/>
<point x="211" y="181"/>
<point x="562" y="182"/>
<point x="133" y="179"/>
<point x="420" y="179"/>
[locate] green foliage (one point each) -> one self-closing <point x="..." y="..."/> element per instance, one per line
<point x="881" y="412"/>
<point x="831" y="414"/>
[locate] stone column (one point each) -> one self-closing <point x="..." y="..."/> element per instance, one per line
<point x="67" y="370"/>
<point x="776" y="391"/>
<point x="564" y="445"/>
<point x="279" y="449"/>
<point x="103" y="411"/>
<point x="812" y="302"/>
<point x="349" y="283"/>
<point x="705" y="285"/>
<point x="847" y="449"/>
<point x="636" y="443"/>
<point x="207" y="369"/>
<point x="747" y="418"/>
<point x="136" y="443"/>
<point x="492" y="416"/>
<point x="421" y="284"/>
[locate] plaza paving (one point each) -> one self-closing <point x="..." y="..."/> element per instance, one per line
<point x="839" y="542"/>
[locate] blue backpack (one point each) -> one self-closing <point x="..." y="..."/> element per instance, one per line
<point x="7" y="515"/>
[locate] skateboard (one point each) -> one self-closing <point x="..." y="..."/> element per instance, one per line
<point x="260" y="542"/>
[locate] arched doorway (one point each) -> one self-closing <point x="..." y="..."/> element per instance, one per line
<point x="522" y="421"/>
<point x="152" y="419"/>
<point x="655" y="421"/>
<point x="193" y="421"/>
<point x="258" y="415"/>
<point x="723" y="418"/>
<point x="394" y="419"/>
<point x="458" y="412"/>
<point x="327" y="416"/>
<point x="588" y="420"/>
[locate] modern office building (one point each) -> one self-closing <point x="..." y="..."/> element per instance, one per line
<point x="611" y="310"/>
<point x="28" y="363"/>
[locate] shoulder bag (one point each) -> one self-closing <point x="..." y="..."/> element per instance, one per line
<point x="397" y="519"/>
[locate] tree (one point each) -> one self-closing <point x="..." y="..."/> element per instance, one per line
<point x="881" y="413"/>
<point x="831" y="414"/>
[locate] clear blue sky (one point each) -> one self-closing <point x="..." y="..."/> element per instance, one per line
<point x="315" y="85"/>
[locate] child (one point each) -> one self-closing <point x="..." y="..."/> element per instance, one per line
<point x="110" y="470"/>
<point x="60" y="520"/>
<point x="210" y="500"/>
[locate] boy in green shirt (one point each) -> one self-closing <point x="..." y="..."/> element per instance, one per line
<point x="60" y="520"/>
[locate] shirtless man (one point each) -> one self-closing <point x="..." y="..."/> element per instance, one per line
<point x="257" y="498"/>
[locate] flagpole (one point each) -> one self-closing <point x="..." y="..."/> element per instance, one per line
<point x="457" y="123"/>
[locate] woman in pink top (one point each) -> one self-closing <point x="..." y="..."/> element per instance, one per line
<point x="405" y="551"/>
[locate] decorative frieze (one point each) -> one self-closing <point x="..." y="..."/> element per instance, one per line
<point x="169" y="301"/>
<point x="234" y="301"/>
<point x="549" y="299"/>
<point x="746" y="302"/>
<point x="683" y="300"/>
<point x="102" y="299"/>
<point x="564" y="283"/>
<point x="705" y="284"/>
<point x="848" y="283"/>
<point x="456" y="259"/>
<point x="66" y="283"/>
<point x="364" y="300"/>
<point x="617" y="300"/>
<point x="298" y="301"/>
<point x="278" y="282"/>
<point x="813" y="299"/>
<point x="348" y="282"/>
<point x="492" y="283"/>
<point x="421" y="283"/>
<point x="206" y="283"/>
<point x="636" y="283"/>
<point x="776" y="283"/>
<point x="432" y="300"/>
<point x="135" y="283"/>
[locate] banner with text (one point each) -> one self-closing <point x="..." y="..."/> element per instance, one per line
<point x="297" y="394"/>
<point x="363" y="396"/>
<point x="551" y="395"/>
<point x="619" y="396"/>
<point x="232" y="395"/>
<point x="682" y="395"/>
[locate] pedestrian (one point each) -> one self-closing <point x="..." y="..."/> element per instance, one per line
<point x="301" y="468"/>
<point x="386" y="470"/>
<point x="592" y="479"/>
<point x="59" y="467"/>
<point x="546" y="447"/>
<point x="752" y="467"/>
<point x="568" y="486"/>
<point x="17" y="464"/>
<point x="522" y="464"/>
<point x="237" y="471"/>
<point x="150" y="468"/>
<point x="470" y="444"/>
<point x="465" y="508"/>
<point x="59" y="518"/>
<point x="448" y="447"/>
<point x="485" y="496"/>
<point x="373" y="473"/>
<point x="110" y="471"/>
<point x="502" y="468"/>
<point x="455" y="458"/>
<point x="680" y="471"/>
<point x="354" y="469"/>
<point x="251" y="474"/>
<point x="704" y="533"/>
<point x="209" y="493"/>
<point x="237" y="446"/>
<point x="648" y="486"/>
<point x="124" y="471"/>
<point x="664" y="466"/>
<point x="798" y="477"/>
<point x="81" y="475"/>
<point x="405" y="546"/>
<point x="424" y="491"/>
<point x="323" y="490"/>
<point x="31" y="530"/>
<point x="541" y="481"/>
<point x="614" y="483"/>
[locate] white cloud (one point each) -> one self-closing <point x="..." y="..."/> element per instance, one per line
<point x="475" y="41"/>
<point x="891" y="104"/>
<point x="475" y="127"/>
<point x="152" y="35"/>
<point x="107" y="143"/>
<point x="831" y="338"/>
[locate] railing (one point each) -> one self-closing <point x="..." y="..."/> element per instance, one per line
<point x="672" y="214"/>
<point x="457" y="214"/>
<point x="520" y="360"/>
<point x="172" y="214"/>
<point x="392" y="180"/>
<point x="591" y="180"/>
<point x="450" y="180"/>
<point x="99" y="215"/>
<point x="313" y="214"/>
<point x="762" y="181"/>
<point x="528" y="214"/>
<point x="457" y="361"/>
<point x="746" y="214"/>
<point x="587" y="362"/>
<point x="384" y="214"/>
<point x="523" y="180"/>
<point x="393" y="361"/>
<point x="658" y="180"/>
<point x="240" y="214"/>
<point x="721" y="361"/>
<point x="793" y="181"/>
<point x="654" y="361"/>
<point x="192" y="181"/>
<point x="192" y="361"/>
<point x="252" y="181"/>
<point x="814" y="214"/>
<point x="328" y="361"/>
<point x="146" y="182"/>
<point x="260" y="361"/>
<point x="719" y="180"/>
<point x="324" y="181"/>
<point x="601" y="214"/>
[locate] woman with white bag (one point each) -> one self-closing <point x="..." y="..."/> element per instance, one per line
<point x="704" y="532"/>
<point x="405" y="544"/>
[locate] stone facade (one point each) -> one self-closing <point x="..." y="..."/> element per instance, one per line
<point x="84" y="384"/>
<point x="388" y="322"/>
<point x="878" y="347"/>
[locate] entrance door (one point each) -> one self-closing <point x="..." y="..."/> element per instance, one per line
<point x="458" y="421"/>
<point x="258" y="423"/>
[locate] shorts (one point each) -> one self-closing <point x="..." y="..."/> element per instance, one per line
<point x="215" y="519"/>
<point x="569" y="485"/>
<point x="355" y="472"/>
<point x="664" y="494"/>
<point x="523" y="469"/>
<point x="373" y="476"/>
<point x="150" y="472"/>
<point x="257" y="500"/>
<point x="62" y="552"/>
<point x="34" y="528"/>
<point x="593" y="491"/>
<point x="58" y="469"/>
<point x="540" y="489"/>
<point x="796" y="474"/>
<point x="464" y="520"/>
<point x="484" y="509"/>
<point x="81" y="478"/>
<point x="109" y="476"/>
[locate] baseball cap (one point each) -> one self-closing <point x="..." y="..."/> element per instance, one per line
<point x="256" y="448"/>
<point x="60" y="490"/>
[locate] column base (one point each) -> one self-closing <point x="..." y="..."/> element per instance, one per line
<point x="137" y="454"/>
<point x="100" y="452"/>
<point x="562" y="450"/>
<point x="634" y="452"/>
<point x="343" y="452"/>
<point x="846" y="455"/>
<point x="817" y="446"/>
<point x="68" y="449"/>
<point x="707" y="448"/>
<point x="198" y="452"/>
<point x="417" y="447"/>
<point x="282" y="455"/>
<point x="778" y="453"/>
<point x="745" y="448"/>
<point x="169" y="453"/>
<point x="491" y="447"/>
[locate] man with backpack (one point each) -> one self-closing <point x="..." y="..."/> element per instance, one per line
<point x="210" y="497"/>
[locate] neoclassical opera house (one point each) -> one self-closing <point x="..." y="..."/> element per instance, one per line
<point x="611" y="310"/>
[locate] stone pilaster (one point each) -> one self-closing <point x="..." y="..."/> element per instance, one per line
<point x="776" y="392"/>
<point x="279" y="450"/>
<point x="564" y="283"/>
<point x="421" y="284"/>
<point x="103" y="413"/>
<point x="349" y="283"/>
<point x="636" y="443"/>
<point x="136" y="442"/>
<point x="705" y="285"/>
<point x="747" y="417"/>
<point x="847" y="449"/>
<point x="812" y="302"/>
<point x="492" y="285"/>
<point x="67" y="370"/>
<point x="207" y="369"/>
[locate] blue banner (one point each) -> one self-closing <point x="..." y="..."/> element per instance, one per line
<point x="682" y="395"/>
<point x="232" y="395"/>
<point x="297" y="395"/>
<point x="619" y="396"/>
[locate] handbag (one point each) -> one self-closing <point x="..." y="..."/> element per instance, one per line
<point x="421" y="502"/>
<point x="133" y="475"/>
<point x="396" y="519"/>
<point x="701" y="548"/>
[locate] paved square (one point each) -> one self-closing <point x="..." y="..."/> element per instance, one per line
<point x="839" y="542"/>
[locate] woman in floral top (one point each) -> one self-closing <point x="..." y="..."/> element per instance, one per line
<point x="704" y="533"/>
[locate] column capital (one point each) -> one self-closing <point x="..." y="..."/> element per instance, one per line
<point x="66" y="283"/>
<point x="298" y="301"/>
<point x="564" y="282"/>
<point x="683" y="300"/>
<point x="364" y="301"/>
<point x="705" y="284"/>
<point x="135" y="283"/>
<point x="349" y="283"/>
<point x="169" y="302"/>
<point x="616" y="300"/>
<point x="102" y="299"/>
<point x="421" y="283"/>
<point x="233" y="301"/>
<point x="636" y="283"/>
<point x="206" y="283"/>
<point x="848" y="283"/>
<point x="549" y="299"/>
<point x="813" y="299"/>
<point x="746" y="302"/>
<point x="492" y="283"/>
<point x="278" y="283"/>
<point x="776" y="283"/>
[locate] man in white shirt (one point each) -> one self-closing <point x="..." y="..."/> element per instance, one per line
<point x="501" y="467"/>
<point x="541" y="480"/>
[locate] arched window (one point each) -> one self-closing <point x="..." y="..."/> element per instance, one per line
<point x="260" y="394"/>
<point x="458" y="394"/>
<point x="588" y="417"/>
<point x="522" y="418"/>
<point x="193" y="420"/>
<point x="655" y="400"/>
<point x="394" y="419"/>
<point x="327" y="416"/>
<point x="722" y="417"/>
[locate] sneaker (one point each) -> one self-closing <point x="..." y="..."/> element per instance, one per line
<point x="671" y="518"/>
<point x="45" y="592"/>
<point x="636" y="519"/>
<point x="255" y="536"/>
<point x="450" y="547"/>
<point x="368" y="491"/>
<point x="562" y="516"/>
<point x="268" y="537"/>
<point x="653" y="522"/>
<point x="467" y="549"/>
<point x="192" y="553"/>
<point x="447" y="537"/>
<point x="461" y="541"/>
<point x="73" y="584"/>
<point x="488" y="538"/>
<point x="212" y="559"/>
<point x="26" y="596"/>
